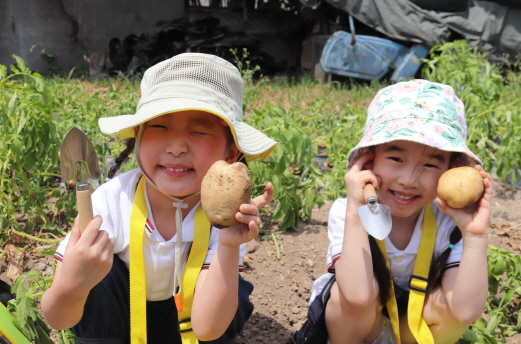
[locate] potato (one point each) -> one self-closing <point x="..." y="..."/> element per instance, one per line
<point x="224" y="188"/>
<point x="460" y="186"/>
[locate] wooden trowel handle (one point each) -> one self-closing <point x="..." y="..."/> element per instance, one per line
<point x="84" y="205"/>
<point x="369" y="191"/>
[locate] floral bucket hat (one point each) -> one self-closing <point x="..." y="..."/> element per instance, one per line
<point x="420" y="111"/>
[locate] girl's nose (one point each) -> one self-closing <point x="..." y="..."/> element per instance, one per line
<point x="410" y="177"/>
<point x="177" y="146"/>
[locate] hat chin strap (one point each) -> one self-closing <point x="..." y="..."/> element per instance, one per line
<point x="178" y="204"/>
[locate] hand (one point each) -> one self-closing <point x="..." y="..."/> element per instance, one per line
<point x="87" y="259"/>
<point x="360" y="174"/>
<point x="475" y="218"/>
<point x="249" y="217"/>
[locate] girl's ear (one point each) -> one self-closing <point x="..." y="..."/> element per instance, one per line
<point x="232" y="153"/>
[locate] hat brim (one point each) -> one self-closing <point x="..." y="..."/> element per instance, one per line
<point x="250" y="141"/>
<point x="411" y="129"/>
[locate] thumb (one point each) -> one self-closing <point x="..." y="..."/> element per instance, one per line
<point x="442" y="205"/>
<point x="264" y="199"/>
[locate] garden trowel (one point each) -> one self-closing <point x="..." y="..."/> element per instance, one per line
<point x="376" y="218"/>
<point x="79" y="163"/>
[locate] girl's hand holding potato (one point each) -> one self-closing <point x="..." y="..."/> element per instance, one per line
<point x="226" y="201"/>
<point x="469" y="203"/>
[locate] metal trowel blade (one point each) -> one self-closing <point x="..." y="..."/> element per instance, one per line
<point x="378" y="223"/>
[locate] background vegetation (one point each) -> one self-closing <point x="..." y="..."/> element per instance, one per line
<point x="316" y="125"/>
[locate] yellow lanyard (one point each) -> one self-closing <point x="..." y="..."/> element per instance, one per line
<point x="418" y="283"/>
<point x="138" y="318"/>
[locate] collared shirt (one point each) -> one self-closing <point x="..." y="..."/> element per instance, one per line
<point x="113" y="202"/>
<point x="402" y="261"/>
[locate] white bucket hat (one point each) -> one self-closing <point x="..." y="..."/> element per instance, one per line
<point x="194" y="81"/>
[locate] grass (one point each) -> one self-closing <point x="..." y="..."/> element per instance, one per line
<point x="310" y="95"/>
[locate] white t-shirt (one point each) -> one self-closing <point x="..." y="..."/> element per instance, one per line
<point x="401" y="261"/>
<point x="113" y="202"/>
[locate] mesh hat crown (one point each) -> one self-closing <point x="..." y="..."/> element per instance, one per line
<point x="194" y="81"/>
<point x="420" y="111"/>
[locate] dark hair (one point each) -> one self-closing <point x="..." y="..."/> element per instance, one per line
<point x="381" y="271"/>
<point x="130" y="143"/>
<point x="122" y="157"/>
<point x="438" y="264"/>
<point x="230" y="141"/>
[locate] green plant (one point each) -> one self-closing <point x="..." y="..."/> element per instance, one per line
<point x="27" y="318"/>
<point x="291" y="167"/>
<point x="493" y="123"/>
<point x="248" y="73"/>
<point x="504" y="292"/>
<point x="503" y="305"/>
<point x="28" y="149"/>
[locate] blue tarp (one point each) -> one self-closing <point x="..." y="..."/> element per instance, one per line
<point x="492" y="27"/>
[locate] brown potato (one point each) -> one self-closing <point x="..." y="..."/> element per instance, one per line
<point x="460" y="186"/>
<point x="223" y="189"/>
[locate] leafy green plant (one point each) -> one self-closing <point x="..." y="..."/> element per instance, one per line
<point x="342" y="138"/>
<point x="28" y="149"/>
<point x="493" y="123"/>
<point x="503" y="305"/>
<point x="291" y="167"/>
<point x="27" y="318"/>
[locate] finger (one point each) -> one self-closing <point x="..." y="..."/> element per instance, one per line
<point x="378" y="182"/>
<point x="101" y="240"/>
<point x="443" y="206"/>
<point x="246" y="219"/>
<point x="91" y="231"/>
<point x="361" y="178"/>
<point x="368" y="166"/>
<point x="363" y="161"/>
<point x="253" y="230"/>
<point x="108" y="252"/>
<point x="486" y="177"/>
<point x="264" y="199"/>
<point x="249" y="209"/>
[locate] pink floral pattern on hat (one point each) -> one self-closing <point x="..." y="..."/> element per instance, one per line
<point x="418" y="110"/>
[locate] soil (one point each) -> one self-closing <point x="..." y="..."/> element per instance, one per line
<point x="283" y="286"/>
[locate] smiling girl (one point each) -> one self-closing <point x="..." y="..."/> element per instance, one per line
<point x="149" y="220"/>
<point x="427" y="281"/>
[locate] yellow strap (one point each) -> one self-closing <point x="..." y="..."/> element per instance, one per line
<point x="138" y="290"/>
<point x="418" y="283"/>
<point x="138" y="320"/>
<point x="419" y="279"/>
<point x="192" y="269"/>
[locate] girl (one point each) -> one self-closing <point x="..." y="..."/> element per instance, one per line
<point x="414" y="132"/>
<point x="189" y="116"/>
